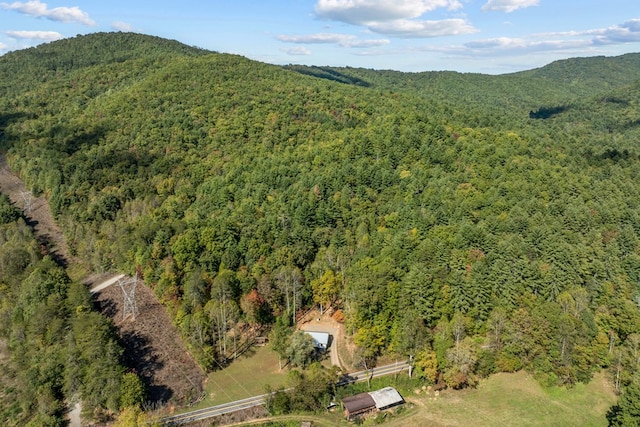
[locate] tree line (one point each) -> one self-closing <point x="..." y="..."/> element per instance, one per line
<point x="55" y="349"/>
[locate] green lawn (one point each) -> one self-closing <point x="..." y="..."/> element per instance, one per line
<point x="245" y="377"/>
<point x="502" y="400"/>
<point x="512" y="400"/>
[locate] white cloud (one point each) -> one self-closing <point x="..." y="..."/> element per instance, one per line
<point x="297" y="51"/>
<point x="3" y="46"/>
<point x="343" y="40"/>
<point x="632" y="25"/>
<point x="421" y="29"/>
<point x="38" y="9"/>
<point x="121" y="26"/>
<point x="628" y="32"/>
<point x="35" y="35"/>
<point x="576" y="42"/>
<point x="519" y="45"/>
<point x="396" y="18"/>
<point x="365" y="12"/>
<point x="508" y="6"/>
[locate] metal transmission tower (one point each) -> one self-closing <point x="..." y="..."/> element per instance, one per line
<point x="128" y="286"/>
<point x="27" y="195"/>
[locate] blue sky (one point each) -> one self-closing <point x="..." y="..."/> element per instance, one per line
<point x="486" y="36"/>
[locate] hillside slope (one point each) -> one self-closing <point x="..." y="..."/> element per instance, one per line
<point x="559" y="82"/>
<point x="480" y="223"/>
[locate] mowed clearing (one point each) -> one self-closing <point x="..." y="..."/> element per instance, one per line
<point x="504" y="399"/>
<point x="512" y="400"/>
<point x="245" y="377"/>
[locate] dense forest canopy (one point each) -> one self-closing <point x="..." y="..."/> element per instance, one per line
<point x="478" y="223"/>
<point x="53" y="348"/>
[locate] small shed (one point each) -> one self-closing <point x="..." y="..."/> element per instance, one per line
<point x="386" y="398"/>
<point x="320" y="340"/>
<point x="358" y="404"/>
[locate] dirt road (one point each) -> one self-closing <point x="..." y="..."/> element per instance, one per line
<point x="314" y="322"/>
<point x="38" y="215"/>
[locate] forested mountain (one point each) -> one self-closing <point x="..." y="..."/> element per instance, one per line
<point x="479" y="223"/>
<point x="560" y="81"/>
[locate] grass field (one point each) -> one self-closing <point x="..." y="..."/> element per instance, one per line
<point x="501" y="400"/>
<point x="511" y="400"/>
<point x="245" y="377"/>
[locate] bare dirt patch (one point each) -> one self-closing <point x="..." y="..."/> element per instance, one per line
<point x="153" y="347"/>
<point x="316" y="322"/>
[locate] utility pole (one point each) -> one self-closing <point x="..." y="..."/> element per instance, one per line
<point x="27" y="197"/>
<point x="128" y="286"/>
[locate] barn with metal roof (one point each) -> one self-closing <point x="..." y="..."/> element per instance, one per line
<point x="358" y="404"/>
<point x="387" y="397"/>
<point x="364" y="403"/>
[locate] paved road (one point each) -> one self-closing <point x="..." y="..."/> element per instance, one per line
<point x="250" y="402"/>
<point x="376" y="372"/>
<point x="213" y="411"/>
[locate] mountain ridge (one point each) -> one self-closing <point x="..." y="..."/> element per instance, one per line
<point x="479" y="223"/>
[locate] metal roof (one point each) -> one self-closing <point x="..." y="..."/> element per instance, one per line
<point x="359" y="403"/>
<point x="320" y="339"/>
<point x="364" y="402"/>
<point x="386" y="397"/>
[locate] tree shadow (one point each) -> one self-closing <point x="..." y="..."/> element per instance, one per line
<point x="547" y="112"/>
<point x="47" y="246"/>
<point x="107" y="307"/>
<point x="5" y="119"/>
<point x="347" y="379"/>
<point x="140" y="356"/>
<point x="328" y="73"/>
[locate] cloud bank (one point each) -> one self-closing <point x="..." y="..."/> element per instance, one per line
<point x="343" y="40"/>
<point x="297" y="51"/>
<point x="508" y="6"/>
<point x="38" y="9"/>
<point x="395" y="18"/>
<point x="365" y="12"/>
<point x="35" y="35"/>
<point x="121" y="26"/>
<point x="627" y="32"/>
